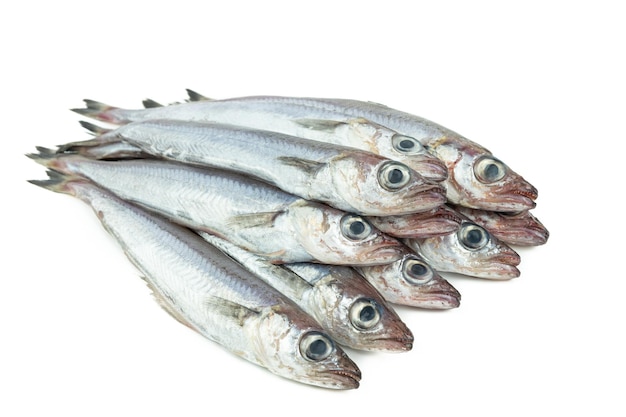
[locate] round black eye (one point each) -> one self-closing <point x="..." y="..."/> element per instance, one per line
<point x="315" y="346"/>
<point x="488" y="169"/>
<point x="472" y="236"/>
<point x="406" y="144"/>
<point x="355" y="227"/>
<point x="393" y="176"/>
<point x="364" y="314"/>
<point x="417" y="272"/>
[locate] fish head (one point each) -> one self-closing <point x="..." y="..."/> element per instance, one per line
<point x="374" y="185"/>
<point x="353" y="306"/>
<point x="479" y="180"/>
<point x="291" y="344"/>
<point x="334" y="237"/>
<point x="472" y="251"/>
<point x="413" y="282"/>
<point x="438" y="221"/>
<point x="393" y="145"/>
<point x="514" y="228"/>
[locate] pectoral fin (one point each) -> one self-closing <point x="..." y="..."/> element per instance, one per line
<point x="229" y="309"/>
<point x="308" y="166"/>
<point x="319" y="124"/>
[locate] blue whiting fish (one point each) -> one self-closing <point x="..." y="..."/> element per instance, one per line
<point x="211" y="294"/>
<point x="252" y="214"/>
<point x="345" y="178"/>
<point x="301" y="121"/>
<point x="520" y="229"/>
<point x="349" y="308"/>
<point x="442" y="220"/>
<point x="475" y="178"/>
<point x="438" y="221"/>
<point x="410" y="281"/>
<point x="471" y="251"/>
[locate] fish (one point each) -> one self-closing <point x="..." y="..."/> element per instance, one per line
<point x="518" y="229"/>
<point x="345" y="178"/>
<point x="349" y="308"/>
<point x="252" y="214"/>
<point x="213" y="295"/>
<point x="475" y="177"/>
<point x="470" y="251"/>
<point x="440" y="221"/>
<point x="301" y="121"/>
<point x="411" y="281"/>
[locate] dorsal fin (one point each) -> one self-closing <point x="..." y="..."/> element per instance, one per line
<point x="193" y="96"/>
<point x="150" y="104"/>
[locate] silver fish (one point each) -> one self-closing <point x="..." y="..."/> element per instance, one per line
<point x="207" y="291"/>
<point x="348" y="307"/>
<point x="412" y="282"/>
<point x="310" y="122"/>
<point x="476" y="178"/>
<point x="250" y="213"/>
<point x="345" y="178"/>
<point x="521" y="228"/>
<point x="442" y="220"/>
<point x="472" y="251"/>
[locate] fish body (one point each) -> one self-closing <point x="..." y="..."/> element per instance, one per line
<point x="411" y="281"/>
<point x="345" y="178"/>
<point x="471" y="251"/>
<point x="475" y="177"/>
<point x="214" y="296"/>
<point x="352" y="311"/>
<point x="304" y="118"/>
<point x="249" y="213"/>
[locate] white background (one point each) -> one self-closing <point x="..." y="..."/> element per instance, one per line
<point x="541" y="84"/>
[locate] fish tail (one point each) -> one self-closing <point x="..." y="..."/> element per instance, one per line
<point x="99" y="111"/>
<point x="57" y="182"/>
<point x="51" y="159"/>
<point x="94" y="129"/>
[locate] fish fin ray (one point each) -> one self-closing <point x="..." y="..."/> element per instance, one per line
<point x="306" y="165"/>
<point x="150" y="104"/>
<point x="251" y="220"/>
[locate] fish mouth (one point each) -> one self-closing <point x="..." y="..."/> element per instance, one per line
<point x="496" y="271"/>
<point x="439" y="223"/>
<point x="344" y="378"/>
<point x="395" y="344"/>
<point x="426" y="198"/>
<point x="525" y="236"/>
<point x="384" y="253"/>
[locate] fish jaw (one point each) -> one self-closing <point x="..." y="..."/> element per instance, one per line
<point x="385" y="142"/>
<point x="360" y="179"/>
<point x="493" y="260"/>
<point x="521" y="229"/>
<point x="347" y="297"/>
<point x="399" y="285"/>
<point x="439" y="221"/>
<point x="478" y="180"/>
<point x="282" y="335"/>
<point x="318" y="229"/>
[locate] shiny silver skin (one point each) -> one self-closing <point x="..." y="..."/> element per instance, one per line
<point x="213" y="295"/>
<point x="471" y="251"/>
<point x="352" y="311"/>
<point x="519" y="229"/>
<point x="252" y="214"/>
<point x="412" y="282"/>
<point x="476" y="178"/>
<point x="292" y="118"/>
<point x="345" y="178"/>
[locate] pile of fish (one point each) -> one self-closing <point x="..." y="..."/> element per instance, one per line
<point x="284" y="228"/>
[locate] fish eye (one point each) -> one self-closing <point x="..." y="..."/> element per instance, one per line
<point x="355" y="227"/>
<point x="315" y="346"/>
<point x="393" y="176"/>
<point x="472" y="236"/>
<point x="406" y="144"/>
<point x="488" y="169"/>
<point x="417" y="272"/>
<point x="364" y="314"/>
